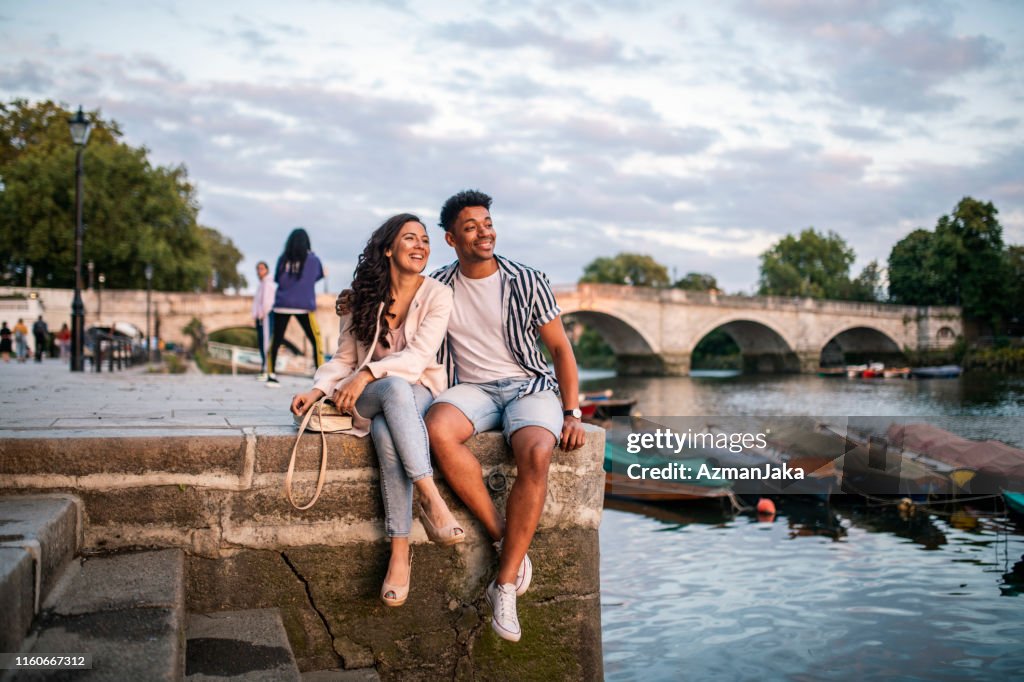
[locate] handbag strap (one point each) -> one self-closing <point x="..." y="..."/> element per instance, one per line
<point x="318" y="406"/>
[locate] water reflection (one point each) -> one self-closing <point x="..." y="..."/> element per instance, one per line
<point x="823" y="592"/>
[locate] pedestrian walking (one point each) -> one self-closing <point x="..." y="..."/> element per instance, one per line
<point x="5" y="342"/>
<point x="262" y="305"/>
<point x="21" y="340"/>
<point x="297" y="272"/>
<point x="64" y="341"/>
<point x="42" y="337"/>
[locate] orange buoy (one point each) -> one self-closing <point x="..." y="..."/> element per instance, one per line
<point x="765" y="506"/>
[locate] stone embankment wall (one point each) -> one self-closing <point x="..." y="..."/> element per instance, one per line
<point x="217" y="494"/>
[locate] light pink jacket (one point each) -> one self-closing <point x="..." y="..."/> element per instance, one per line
<point x="263" y="300"/>
<point x="426" y="326"/>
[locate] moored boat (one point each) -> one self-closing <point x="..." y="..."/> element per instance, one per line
<point x="602" y="405"/>
<point x="1014" y="501"/>
<point x="854" y="371"/>
<point x="939" y="372"/>
<point x="876" y="370"/>
<point x="832" y="372"/>
<point x="619" y="483"/>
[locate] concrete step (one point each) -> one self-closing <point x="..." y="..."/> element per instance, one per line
<point x="39" y="536"/>
<point x="246" y="645"/>
<point x="127" y="610"/>
<point x="358" y="675"/>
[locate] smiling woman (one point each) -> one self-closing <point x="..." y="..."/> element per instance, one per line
<point x="385" y="374"/>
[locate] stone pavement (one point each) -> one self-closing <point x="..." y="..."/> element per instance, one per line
<point x="47" y="396"/>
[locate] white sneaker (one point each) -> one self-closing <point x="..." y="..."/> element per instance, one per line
<point x="504" y="620"/>
<point x="262" y="376"/>
<point x="273" y="383"/>
<point x="524" y="576"/>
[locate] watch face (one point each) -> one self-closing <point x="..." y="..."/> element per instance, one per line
<point x="577" y="412"/>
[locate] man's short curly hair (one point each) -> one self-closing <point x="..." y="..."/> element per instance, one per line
<point x="451" y="209"/>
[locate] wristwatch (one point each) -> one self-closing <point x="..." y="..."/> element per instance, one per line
<point x="575" y="412"/>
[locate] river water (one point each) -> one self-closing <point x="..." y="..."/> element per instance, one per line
<point x="828" y="590"/>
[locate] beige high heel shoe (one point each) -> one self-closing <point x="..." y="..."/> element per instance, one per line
<point x="452" y="534"/>
<point x="396" y="595"/>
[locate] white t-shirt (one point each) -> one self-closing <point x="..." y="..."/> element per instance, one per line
<point x="475" y="331"/>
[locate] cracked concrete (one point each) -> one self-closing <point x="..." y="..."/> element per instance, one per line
<point x="312" y="601"/>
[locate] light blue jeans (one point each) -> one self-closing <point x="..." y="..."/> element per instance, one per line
<point x="400" y="439"/>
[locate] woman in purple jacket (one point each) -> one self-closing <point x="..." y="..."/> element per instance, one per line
<point x="298" y="270"/>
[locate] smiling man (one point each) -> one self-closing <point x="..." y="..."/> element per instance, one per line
<point x="499" y="378"/>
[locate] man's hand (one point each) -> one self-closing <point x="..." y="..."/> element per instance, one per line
<point x="573" y="434"/>
<point x="303" y="401"/>
<point x="345" y="398"/>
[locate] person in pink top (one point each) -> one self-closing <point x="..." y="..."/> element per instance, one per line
<point x="262" y="304"/>
<point x="386" y="374"/>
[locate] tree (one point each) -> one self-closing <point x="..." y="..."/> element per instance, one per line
<point x="922" y="269"/>
<point x="1015" y="279"/>
<point x="812" y="264"/>
<point x="696" y="281"/>
<point x="626" y="268"/>
<point x="867" y="286"/>
<point x="224" y="259"/>
<point x="963" y="262"/>
<point x="979" y="258"/>
<point x="133" y="213"/>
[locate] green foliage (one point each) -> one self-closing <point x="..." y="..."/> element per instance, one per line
<point x="1014" y="268"/>
<point x="1005" y="359"/>
<point x="592" y="351"/>
<point x="224" y="260"/>
<point x="236" y="336"/>
<point x="133" y="213"/>
<point x="963" y="262"/>
<point x="717" y="350"/>
<point x="867" y="286"/>
<point x="922" y="269"/>
<point x="812" y="264"/>
<point x="626" y="268"/>
<point x="696" y="281"/>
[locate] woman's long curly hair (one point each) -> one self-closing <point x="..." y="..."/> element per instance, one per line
<point x="371" y="283"/>
<point x="296" y="250"/>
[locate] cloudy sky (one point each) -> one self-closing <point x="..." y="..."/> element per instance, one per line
<point x="696" y="132"/>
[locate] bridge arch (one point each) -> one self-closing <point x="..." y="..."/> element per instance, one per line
<point x="860" y="344"/>
<point x="634" y="352"/>
<point x="765" y="349"/>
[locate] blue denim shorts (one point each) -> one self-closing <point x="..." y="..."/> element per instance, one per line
<point x="496" y="403"/>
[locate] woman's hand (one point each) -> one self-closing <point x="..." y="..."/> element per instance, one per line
<point x="345" y="397"/>
<point x="303" y="401"/>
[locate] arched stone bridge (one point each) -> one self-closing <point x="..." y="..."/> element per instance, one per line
<point x="655" y="331"/>
<point x="652" y="331"/>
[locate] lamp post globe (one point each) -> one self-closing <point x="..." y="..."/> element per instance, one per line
<point x="80" y="127"/>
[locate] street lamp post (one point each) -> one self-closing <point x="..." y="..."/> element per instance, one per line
<point x="99" y="299"/>
<point x="149" y="291"/>
<point x="79" y="125"/>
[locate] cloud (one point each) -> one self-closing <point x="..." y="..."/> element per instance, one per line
<point x="859" y="133"/>
<point x="27" y="77"/>
<point x="563" y="52"/>
<point x="876" y="58"/>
